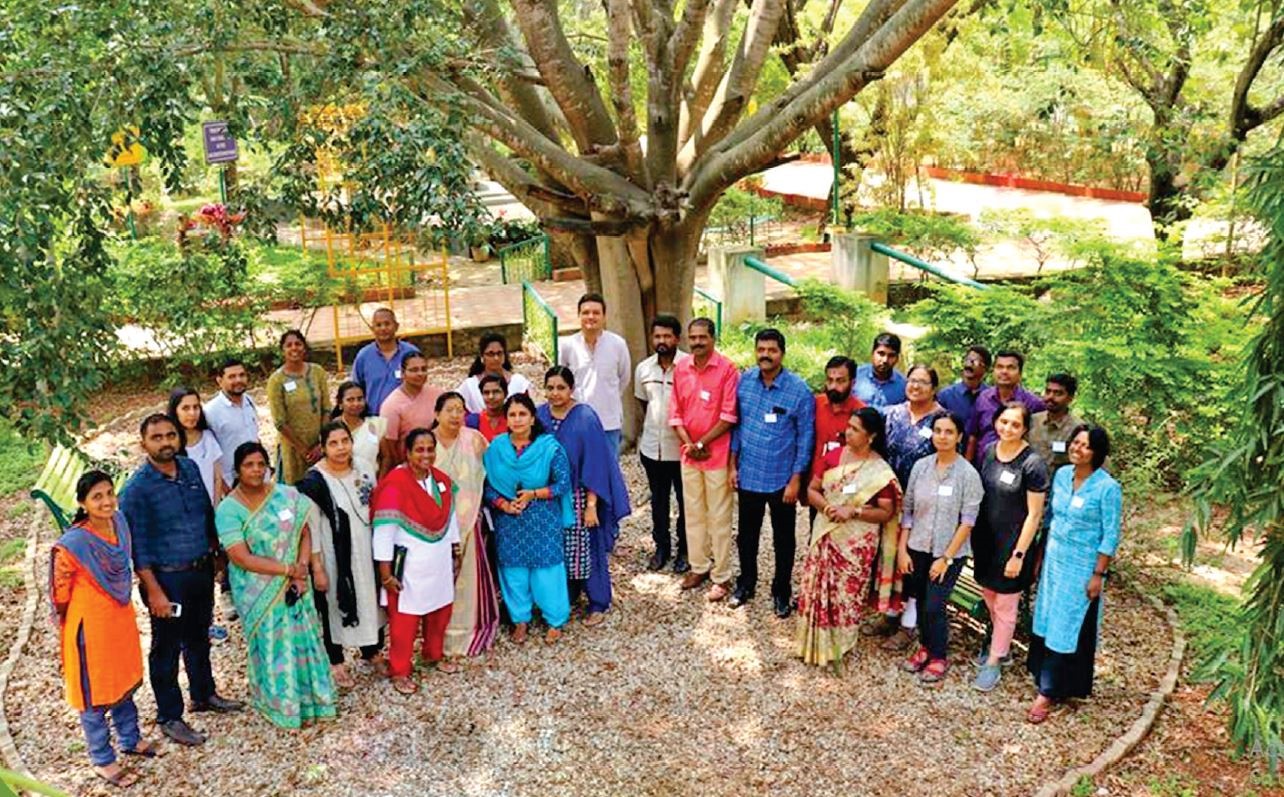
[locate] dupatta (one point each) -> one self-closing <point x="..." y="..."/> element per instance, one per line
<point x="593" y="463"/>
<point x="508" y="473"/>
<point x="400" y="500"/>
<point x="109" y="565"/>
<point x="314" y="486"/>
<point x="273" y="530"/>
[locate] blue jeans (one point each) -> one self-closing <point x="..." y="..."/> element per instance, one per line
<point x="613" y="437"/>
<point x="124" y="715"/>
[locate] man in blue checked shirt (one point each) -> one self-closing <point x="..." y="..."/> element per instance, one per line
<point x="770" y="451"/>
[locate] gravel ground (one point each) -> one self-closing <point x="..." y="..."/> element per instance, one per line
<point x="672" y="695"/>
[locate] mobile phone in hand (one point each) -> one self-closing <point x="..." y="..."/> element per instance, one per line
<point x="176" y="610"/>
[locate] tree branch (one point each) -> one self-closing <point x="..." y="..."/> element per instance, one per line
<point x="1243" y="116"/>
<point x="541" y="199"/>
<point x="618" y="18"/>
<point x="709" y="68"/>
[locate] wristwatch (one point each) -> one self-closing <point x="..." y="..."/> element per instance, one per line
<point x="699" y="445"/>
<point x="1018" y="554"/>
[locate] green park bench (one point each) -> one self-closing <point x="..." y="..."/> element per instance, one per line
<point x="56" y="486"/>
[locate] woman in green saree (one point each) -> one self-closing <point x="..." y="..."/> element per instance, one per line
<point x="856" y="498"/>
<point x="263" y="527"/>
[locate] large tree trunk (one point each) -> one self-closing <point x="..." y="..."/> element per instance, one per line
<point x="1167" y="209"/>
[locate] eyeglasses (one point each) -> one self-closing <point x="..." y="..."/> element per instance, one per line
<point x="920" y="382"/>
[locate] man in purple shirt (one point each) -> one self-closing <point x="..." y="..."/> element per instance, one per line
<point x="960" y="397"/>
<point x="1008" y="365"/>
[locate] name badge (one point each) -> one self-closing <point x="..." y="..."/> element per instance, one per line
<point x="1007" y="477"/>
<point x="396" y="374"/>
<point x="925" y="433"/>
<point x="285" y="514"/>
<point x="1058" y="446"/>
<point x="849" y="489"/>
<point x="441" y="487"/>
<point x="704" y="395"/>
<point x="769" y="417"/>
<point x="1076" y="502"/>
<point x="945" y="490"/>
<point x="830" y="446"/>
<point x="290" y="387"/>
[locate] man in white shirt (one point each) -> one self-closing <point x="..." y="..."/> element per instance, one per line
<point x="231" y="414"/>
<point x="600" y="361"/>
<point x="659" y="446"/>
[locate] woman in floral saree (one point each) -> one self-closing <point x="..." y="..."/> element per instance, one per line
<point x="856" y="496"/>
<point x="263" y="526"/>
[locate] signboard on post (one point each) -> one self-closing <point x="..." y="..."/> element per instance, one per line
<point x="220" y="147"/>
<point x="125" y="151"/>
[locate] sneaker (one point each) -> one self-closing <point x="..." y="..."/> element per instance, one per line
<point x="218" y="635"/>
<point x="984" y="655"/>
<point x="988" y="677"/>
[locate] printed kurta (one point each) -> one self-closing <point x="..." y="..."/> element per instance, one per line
<point x="300" y="404"/>
<point x="1085" y="523"/>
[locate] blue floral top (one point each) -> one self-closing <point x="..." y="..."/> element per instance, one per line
<point x="908" y="442"/>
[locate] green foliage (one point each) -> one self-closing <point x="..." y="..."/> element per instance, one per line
<point x="1046" y="236"/>
<point x="20" y="461"/>
<point x="834" y="322"/>
<point x="1152" y="368"/>
<point x="1244" y="471"/>
<point x="926" y="235"/>
<point x="729" y="220"/>
<point x="1207" y="616"/>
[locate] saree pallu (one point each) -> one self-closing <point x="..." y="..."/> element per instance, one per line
<point x="474" y="620"/>
<point x="835" y="585"/>
<point x="288" y="672"/>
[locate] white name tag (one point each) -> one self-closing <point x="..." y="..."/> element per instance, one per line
<point x="290" y="387"/>
<point x="769" y="417"/>
<point x="849" y="489"/>
<point x="831" y="445"/>
<point x="945" y="490"/>
<point x="285" y="514"/>
<point x="1076" y="502"/>
<point x="441" y="487"/>
<point x="1058" y="446"/>
<point x="396" y="374"/>
<point x="925" y="432"/>
<point x="704" y="395"/>
<point x="1007" y="477"/>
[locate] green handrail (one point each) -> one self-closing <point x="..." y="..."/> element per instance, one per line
<point x="910" y="260"/>
<point x="716" y="304"/>
<point x="540" y="265"/>
<point x="539" y="322"/>
<point x="779" y="276"/>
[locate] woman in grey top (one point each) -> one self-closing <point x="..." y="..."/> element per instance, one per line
<point x="942" y="497"/>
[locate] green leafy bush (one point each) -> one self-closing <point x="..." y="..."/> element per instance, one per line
<point x="930" y="236"/>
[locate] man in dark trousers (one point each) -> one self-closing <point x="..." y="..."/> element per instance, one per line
<point x="172" y="522"/>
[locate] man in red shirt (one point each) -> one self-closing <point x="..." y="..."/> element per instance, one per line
<point x="702" y="412"/>
<point x="834" y="408"/>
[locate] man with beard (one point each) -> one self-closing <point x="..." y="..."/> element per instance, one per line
<point x="231" y="414"/>
<point x="878" y="383"/>
<point x="174" y="540"/>
<point x="412" y="405"/>
<point x="834" y="409"/>
<point x="702" y="412"/>
<point x="1008" y="365"/>
<point x="1050" y="430"/>
<point x="771" y="449"/>
<point x="658" y="446"/>
<point x="960" y="397"/>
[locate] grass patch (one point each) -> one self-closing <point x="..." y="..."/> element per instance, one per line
<point x="11" y="556"/>
<point x="20" y="461"/>
<point x="1210" y="618"/>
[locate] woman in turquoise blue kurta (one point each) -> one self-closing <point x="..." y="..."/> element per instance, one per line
<point x="1087" y="504"/>
<point x="528" y="487"/>
<point x="263" y="527"/>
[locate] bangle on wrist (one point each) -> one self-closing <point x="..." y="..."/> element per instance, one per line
<point x="1101" y="573"/>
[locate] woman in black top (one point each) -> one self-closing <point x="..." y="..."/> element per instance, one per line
<point x="1015" y="479"/>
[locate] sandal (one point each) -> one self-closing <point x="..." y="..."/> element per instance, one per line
<point x="449" y="667"/>
<point x="380" y="664"/>
<point x="342" y="678"/>
<point x="552" y="636"/>
<point x="404" y="685"/>
<point x="519" y="634"/>
<point x="121" y="778"/>
<point x="934" y="672"/>
<point x="594" y="618"/>
<point x="144" y="749"/>
<point x="916" y="662"/>
<point x="1040" y="711"/>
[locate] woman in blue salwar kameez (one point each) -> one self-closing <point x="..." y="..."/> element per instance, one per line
<point x="1087" y="505"/>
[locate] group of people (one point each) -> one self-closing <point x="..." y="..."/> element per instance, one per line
<point x="394" y="510"/>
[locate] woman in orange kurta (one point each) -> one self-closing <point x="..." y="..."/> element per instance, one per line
<point x="91" y="579"/>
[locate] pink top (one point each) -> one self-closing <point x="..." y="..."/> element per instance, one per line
<point x="405" y="414"/>
<point x="701" y="398"/>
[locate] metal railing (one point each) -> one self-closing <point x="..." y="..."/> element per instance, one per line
<point x="779" y="276"/>
<point x="910" y="260"/>
<point x="539" y="323"/>
<point x="737" y="232"/>
<point x="706" y="304"/>
<point x="525" y="261"/>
